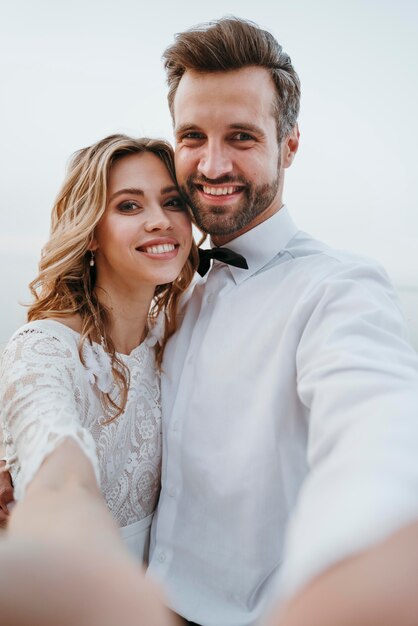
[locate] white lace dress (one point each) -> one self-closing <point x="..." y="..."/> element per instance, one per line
<point x="46" y="394"/>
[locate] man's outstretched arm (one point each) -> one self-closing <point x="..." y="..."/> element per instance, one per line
<point x="376" y="588"/>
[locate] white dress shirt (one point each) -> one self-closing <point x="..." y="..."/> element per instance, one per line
<point x="290" y="388"/>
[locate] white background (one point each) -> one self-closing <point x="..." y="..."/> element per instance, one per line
<point x="75" y="71"/>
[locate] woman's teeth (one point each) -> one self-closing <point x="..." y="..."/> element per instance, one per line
<point x="160" y="249"/>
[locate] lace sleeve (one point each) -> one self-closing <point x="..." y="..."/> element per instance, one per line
<point x="40" y="403"/>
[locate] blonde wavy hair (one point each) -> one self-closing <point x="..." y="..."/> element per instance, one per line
<point x="65" y="283"/>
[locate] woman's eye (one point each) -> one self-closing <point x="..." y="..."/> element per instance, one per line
<point x="128" y="206"/>
<point x="176" y="204"/>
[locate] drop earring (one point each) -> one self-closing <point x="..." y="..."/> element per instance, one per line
<point x="91" y="258"/>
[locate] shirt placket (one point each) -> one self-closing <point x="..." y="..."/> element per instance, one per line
<point x="219" y="281"/>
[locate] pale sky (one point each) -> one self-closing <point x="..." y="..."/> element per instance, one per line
<point x="75" y="71"/>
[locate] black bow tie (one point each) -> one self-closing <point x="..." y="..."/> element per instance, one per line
<point x="221" y="254"/>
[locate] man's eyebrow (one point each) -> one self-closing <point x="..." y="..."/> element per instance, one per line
<point x="253" y="128"/>
<point x="183" y="128"/>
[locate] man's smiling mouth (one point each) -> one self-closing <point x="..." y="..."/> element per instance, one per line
<point x="220" y="191"/>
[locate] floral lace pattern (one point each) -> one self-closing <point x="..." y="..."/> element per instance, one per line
<point x="46" y="394"/>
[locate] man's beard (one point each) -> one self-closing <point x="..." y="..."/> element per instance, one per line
<point x="221" y="220"/>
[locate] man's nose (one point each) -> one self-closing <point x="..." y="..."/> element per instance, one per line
<point x="157" y="219"/>
<point x="215" y="161"/>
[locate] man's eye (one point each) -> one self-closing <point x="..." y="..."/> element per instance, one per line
<point x="128" y="207"/>
<point x="243" y="137"/>
<point x="191" y="137"/>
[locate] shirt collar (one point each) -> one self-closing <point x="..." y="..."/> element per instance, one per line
<point x="262" y="243"/>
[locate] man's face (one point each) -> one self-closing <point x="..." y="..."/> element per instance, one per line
<point x="227" y="155"/>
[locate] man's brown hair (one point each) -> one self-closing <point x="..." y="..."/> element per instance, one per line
<point x="229" y="44"/>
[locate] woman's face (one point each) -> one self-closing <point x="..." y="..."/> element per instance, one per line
<point x="145" y="235"/>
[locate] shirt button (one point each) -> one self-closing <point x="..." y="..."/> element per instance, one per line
<point x="161" y="557"/>
<point x="175" y="426"/>
<point x="209" y="298"/>
<point x="171" y="492"/>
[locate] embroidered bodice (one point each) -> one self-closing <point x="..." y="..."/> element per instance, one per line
<point x="46" y="394"/>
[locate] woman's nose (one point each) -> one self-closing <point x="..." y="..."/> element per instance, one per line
<point x="157" y="219"/>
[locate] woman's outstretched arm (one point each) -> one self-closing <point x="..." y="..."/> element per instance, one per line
<point x="63" y="560"/>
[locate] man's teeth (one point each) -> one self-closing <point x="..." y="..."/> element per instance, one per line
<point x="160" y="249"/>
<point x="218" y="191"/>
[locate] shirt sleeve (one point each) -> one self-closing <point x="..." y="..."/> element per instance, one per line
<point x="40" y="403"/>
<point x="358" y="378"/>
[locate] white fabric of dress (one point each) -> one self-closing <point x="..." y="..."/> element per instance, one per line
<point x="47" y="394"/>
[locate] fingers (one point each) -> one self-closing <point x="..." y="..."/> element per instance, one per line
<point x="4" y="510"/>
<point x="6" y="496"/>
<point x="4" y="516"/>
<point x="6" y="489"/>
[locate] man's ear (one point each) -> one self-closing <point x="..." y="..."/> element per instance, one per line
<point x="290" y="145"/>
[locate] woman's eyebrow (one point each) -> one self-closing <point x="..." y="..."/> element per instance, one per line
<point x="134" y="191"/>
<point x="131" y="190"/>
<point x="169" y="189"/>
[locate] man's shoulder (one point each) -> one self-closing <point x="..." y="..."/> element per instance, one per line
<point x="319" y="260"/>
<point x="313" y="271"/>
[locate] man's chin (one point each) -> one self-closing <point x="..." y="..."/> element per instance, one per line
<point x="217" y="220"/>
<point x="217" y="226"/>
